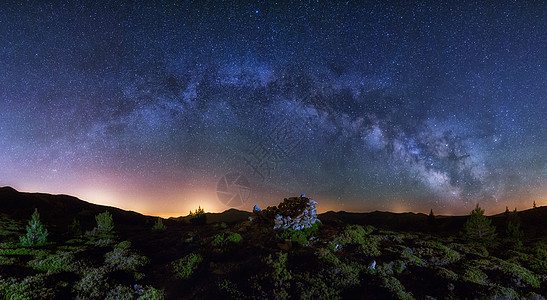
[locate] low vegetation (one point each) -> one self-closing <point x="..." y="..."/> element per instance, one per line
<point x="246" y="260"/>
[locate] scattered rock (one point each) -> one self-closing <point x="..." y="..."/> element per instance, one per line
<point x="372" y="265"/>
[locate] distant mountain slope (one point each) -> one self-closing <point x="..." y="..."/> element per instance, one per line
<point x="60" y="210"/>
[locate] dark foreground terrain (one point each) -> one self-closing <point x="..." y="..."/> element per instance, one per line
<point x="225" y="256"/>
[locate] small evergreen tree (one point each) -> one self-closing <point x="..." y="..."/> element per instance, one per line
<point x="159" y="225"/>
<point x="535" y="206"/>
<point x="513" y="227"/>
<point x="198" y="217"/>
<point x="75" y="228"/>
<point x="36" y="233"/>
<point x="478" y="227"/>
<point x="105" y="224"/>
<point x="431" y="220"/>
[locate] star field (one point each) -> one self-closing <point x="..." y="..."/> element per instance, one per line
<point x="400" y="107"/>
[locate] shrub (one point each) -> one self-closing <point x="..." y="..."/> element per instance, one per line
<point x="93" y="283"/>
<point x="369" y="248"/>
<point x="124" y="259"/>
<point x="36" y="233"/>
<point x="55" y="263"/>
<point x="300" y="236"/>
<point x="185" y="266"/>
<point x="474" y="275"/>
<point x="326" y="255"/>
<point x="159" y="225"/>
<point x="280" y="275"/>
<point x="478" y="227"/>
<point x="75" y="228"/>
<point x="314" y="287"/>
<point x="396" y="288"/>
<point x="234" y="238"/>
<point x="32" y="287"/>
<point x="105" y="224"/>
<point x="519" y="273"/>
<point x="408" y="254"/>
<point x="447" y="274"/>
<point x="230" y="289"/>
<point x="221" y="239"/>
<point x="4" y="260"/>
<point x="120" y="292"/>
<point x="149" y="293"/>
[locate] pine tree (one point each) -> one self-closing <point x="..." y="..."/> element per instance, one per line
<point x="159" y="225"/>
<point x="431" y="220"/>
<point x="513" y="227"/>
<point x="105" y="224"/>
<point x="478" y="227"/>
<point x="535" y="206"/>
<point x="36" y="233"/>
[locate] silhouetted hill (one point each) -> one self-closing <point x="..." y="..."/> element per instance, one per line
<point x="60" y="210"/>
<point x="385" y="220"/>
<point x="231" y="215"/>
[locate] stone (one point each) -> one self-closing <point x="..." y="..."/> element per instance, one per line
<point x="296" y="213"/>
<point x="372" y="265"/>
<point x="303" y="218"/>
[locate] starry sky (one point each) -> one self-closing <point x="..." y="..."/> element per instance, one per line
<point x="388" y="105"/>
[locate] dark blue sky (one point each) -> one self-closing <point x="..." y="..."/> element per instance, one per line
<point x="401" y="107"/>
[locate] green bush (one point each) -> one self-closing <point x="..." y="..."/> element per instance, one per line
<point x="123" y="258"/>
<point x="352" y="234"/>
<point x="7" y="260"/>
<point x="280" y="276"/>
<point x="32" y="287"/>
<point x="369" y="248"/>
<point x="123" y="245"/>
<point x="474" y="275"/>
<point x="326" y="255"/>
<point x="105" y="224"/>
<point x="93" y="283"/>
<point x="55" y="263"/>
<point x="149" y="293"/>
<point x="518" y="273"/>
<point x="75" y="229"/>
<point x="396" y="288"/>
<point x="300" y="236"/>
<point x="230" y="289"/>
<point x="185" y="267"/>
<point x="159" y="225"/>
<point x="221" y="239"/>
<point x="314" y="287"/>
<point x="120" y="292"/>
<point x="409" y="256"/>
<point x="198" y="217"/>
<point x="447" y="274"/>
<point x="36" y="233"/>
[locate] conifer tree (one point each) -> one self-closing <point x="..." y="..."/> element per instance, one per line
<point x="431" y="220"/>
<point x="478" y="227"/>
<point x="36" y="233"/>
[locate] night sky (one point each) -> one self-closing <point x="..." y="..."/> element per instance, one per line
<point x="159" y="108"/>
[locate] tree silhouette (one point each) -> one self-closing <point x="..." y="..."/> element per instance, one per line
<point x="431" y="220"/>
<point x="513" y="227"/>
